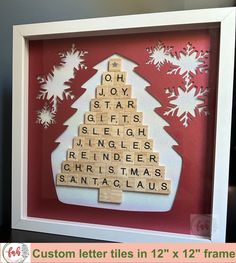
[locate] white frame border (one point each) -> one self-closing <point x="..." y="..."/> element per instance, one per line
<point x="225" y="17"/>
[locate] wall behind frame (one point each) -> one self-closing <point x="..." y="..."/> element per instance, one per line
<point x="14" y="12"/>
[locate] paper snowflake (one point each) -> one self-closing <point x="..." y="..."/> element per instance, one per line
<point x="159" y="55"/>
<point x="188" y="62"/>
<point x="45" y="117"/>
<point x="187" y="100"/>
<point x="186" y="104"/>
<point x="56" y="84"/>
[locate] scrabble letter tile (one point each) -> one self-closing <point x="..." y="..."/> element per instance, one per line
<point x="108" y="78"/>
<point x="114" y="64"/>
<point x="109" y="195"/>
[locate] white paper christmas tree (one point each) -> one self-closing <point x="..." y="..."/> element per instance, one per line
<point x="163" y="144"/>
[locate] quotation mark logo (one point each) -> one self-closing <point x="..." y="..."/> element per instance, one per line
<point x="15" y="252"/>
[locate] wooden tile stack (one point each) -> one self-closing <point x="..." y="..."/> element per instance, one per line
<point x="112" y="151"/>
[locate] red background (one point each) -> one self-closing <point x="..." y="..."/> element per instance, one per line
<point x="196" y="142"/>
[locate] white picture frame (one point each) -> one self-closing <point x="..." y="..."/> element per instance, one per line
<point x="223" y="17"/>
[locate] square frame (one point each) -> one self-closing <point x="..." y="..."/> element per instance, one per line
<point x="156" y="22"/>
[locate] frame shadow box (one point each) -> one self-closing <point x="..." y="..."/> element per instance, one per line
<point x="121" y="126"/>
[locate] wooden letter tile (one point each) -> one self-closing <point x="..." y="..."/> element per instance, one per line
<point x="67" y="166"/>
<point x="90" y="118"/>
<point x="96" y="156"/>
<point x="114" y="64"/>
<point x="78" y="142"/>
<point x="116" y="157"/>
<point x="140" y="185"/>
<point x="164" y="187"/>
<point x="92" y="181"/>
<point x="83" y="155"/>
<point x="123" y="169"/>
<point x="140" y="158"/>
<point x="135" y="145"/>
<point x="109" y="195"/>
<point x="152" y="185"/>
<point x="72" y="180"/>
<point x="125" y="91"/>
<point x="105" y="182"/>
<point x="72" y="155"/>
<point x="130" y="105"/>
<point x="129" y="132"/>
<point x="146" y="171"/>
<point x="147" y="145"/>
<point x="107" y="104"/>
<point x="129" y="184"/>
<point x="128" y="157"/>
<point x="96" y="130"/>
<point x="96" y="105"/>
<point x="102" y="118"/>
<point x="88" y="142"/>
<point x="113" y="118"/>
<point x="124" y="118"/>
<point x="152" y="158"/>
<point x="117" y="131"/>
<point x="84" y="130"/>
<point x="136" y="118"/>
<point x="159" y="171"/>
<point x="111" y="169"/>
<point x="141" y="131"/>
<point x="61" y="180"/>
<point x="108" y="78"/>
<point x="89" y="168"/>
<point x="119" y="78"/>
<point x="83" y="180"/>
<point x="101" y="91"/>
<point x="99" y="169"/>
<point x="124" y="144"/>
<point x="113" y="91"/>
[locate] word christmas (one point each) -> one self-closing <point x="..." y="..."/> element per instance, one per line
<point x="112" y="151"/>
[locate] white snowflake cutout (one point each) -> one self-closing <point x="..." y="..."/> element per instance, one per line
<point x="186" y="103"/>
<point x="54" y="86"/>
<point x="159" y="55"/>
<point x="45" y="117"/>
<point x="189" y="62"/>
<point x="74" y="57"/>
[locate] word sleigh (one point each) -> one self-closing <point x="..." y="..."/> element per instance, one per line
<point x="112" y="152"/>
